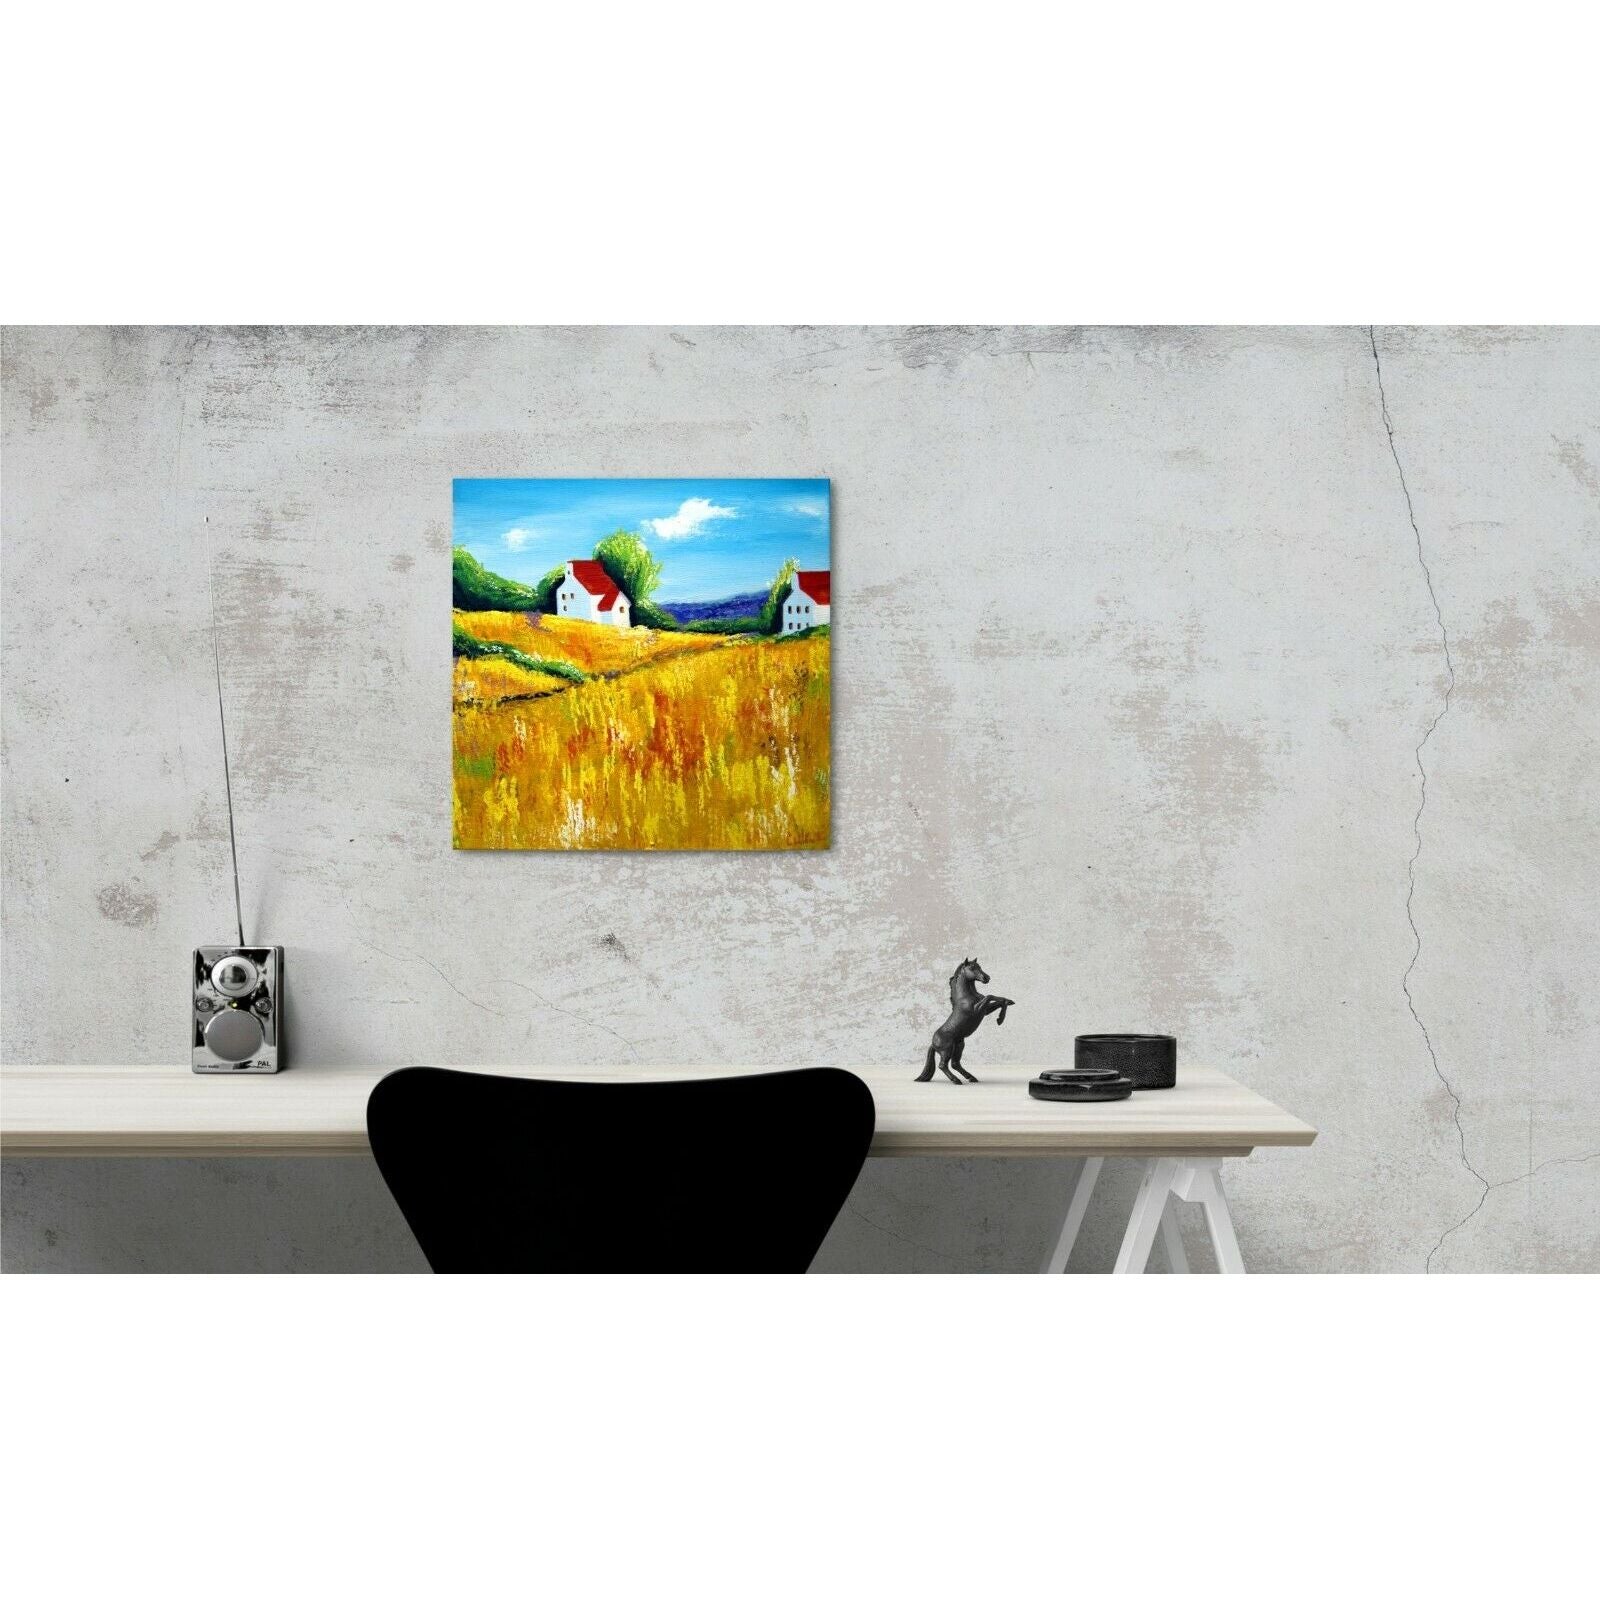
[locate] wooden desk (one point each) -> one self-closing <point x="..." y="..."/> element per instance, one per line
<point x="1182" y="1134"/>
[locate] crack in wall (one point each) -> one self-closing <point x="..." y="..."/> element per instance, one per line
<point x="576" y="1016"/>
<point x="1505" y="1183"/>
<point x="1422" y="805"/>
<point x="1554" y="1161"/>
<point x="494" y="1011"/>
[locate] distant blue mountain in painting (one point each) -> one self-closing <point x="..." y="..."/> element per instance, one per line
<point x="737" y="605"/>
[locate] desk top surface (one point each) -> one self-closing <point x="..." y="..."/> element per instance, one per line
<point x="322" y="1110"/>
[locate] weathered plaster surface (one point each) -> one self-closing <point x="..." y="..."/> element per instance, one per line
<point x="1188" y="796"/>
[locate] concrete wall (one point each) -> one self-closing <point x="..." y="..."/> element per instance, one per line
<point x="1186" y="798"/>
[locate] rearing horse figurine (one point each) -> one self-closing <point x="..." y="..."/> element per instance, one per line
<point x="968" y="1009"/>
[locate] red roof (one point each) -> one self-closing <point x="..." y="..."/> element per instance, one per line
<point x="814" y="584"/>
<point x="594" y="578"/>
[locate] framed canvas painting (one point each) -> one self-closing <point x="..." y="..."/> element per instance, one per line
<point x="641" y="664"/>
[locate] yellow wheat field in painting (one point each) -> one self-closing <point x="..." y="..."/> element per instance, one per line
<point x="489" y="680"/>
<point x="699" y="742"/>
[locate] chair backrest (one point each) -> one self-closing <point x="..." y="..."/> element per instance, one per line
<point x="499" y="1174"/>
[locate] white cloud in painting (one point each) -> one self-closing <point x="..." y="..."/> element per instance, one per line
<point x="517" y="538"/>
<point x="814" y="507"/>
<point x="690" y="518"/>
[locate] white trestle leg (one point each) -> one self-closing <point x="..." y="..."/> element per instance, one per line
<point x="1088" y="1173"/>
<point x="1172" y="1238"/>
<point x="1166" y="1181"/>
<point x="1202" y="1181"/>
<point x="1148" y="1207"/>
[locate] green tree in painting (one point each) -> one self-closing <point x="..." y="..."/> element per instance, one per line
<point x="772" y="610"/>
<point x="630" y="565"/>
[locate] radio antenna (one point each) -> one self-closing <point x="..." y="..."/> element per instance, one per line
<point x="222" y="722"/>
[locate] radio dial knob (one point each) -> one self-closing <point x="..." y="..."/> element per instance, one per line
<point x="235" y="976"/>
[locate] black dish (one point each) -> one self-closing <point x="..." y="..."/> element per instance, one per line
<point x="1081" y="1075"/>
<point x="1079" y="1087"/>
<point x="1149" y="1059"/>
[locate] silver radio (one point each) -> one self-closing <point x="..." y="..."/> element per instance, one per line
<point x="236" y="1004"/>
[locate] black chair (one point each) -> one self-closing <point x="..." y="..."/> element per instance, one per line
<point x="501" y="1174"/>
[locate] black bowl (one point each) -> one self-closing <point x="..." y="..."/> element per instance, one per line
<point x="1080" y="1086"/>
<point x="1149" y="1059"/>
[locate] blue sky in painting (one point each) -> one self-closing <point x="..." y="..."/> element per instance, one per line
<point x="714" y="536"/>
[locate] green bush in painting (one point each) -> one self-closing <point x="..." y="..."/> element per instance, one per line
<point x="721" y="625"/>
<point x="545" y="590"/>
<point x="647" y="614"/>
<point x="475" y="588"/>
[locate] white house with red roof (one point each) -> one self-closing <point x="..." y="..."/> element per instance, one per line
<point x="808" y="603"/>
<point x="588" y="593"/>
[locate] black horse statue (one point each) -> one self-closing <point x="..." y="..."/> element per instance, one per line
<point x="967" y="1009"/>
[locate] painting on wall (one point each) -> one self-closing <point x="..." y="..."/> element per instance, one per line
<point x="641" y="664"/>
